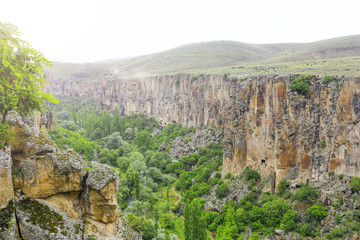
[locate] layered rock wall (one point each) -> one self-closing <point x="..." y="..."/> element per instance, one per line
<point x="47" y="194"/>
<point x="266" y="126"/>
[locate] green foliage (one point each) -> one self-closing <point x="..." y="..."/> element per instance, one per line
<point x="338" y="232"/>
<point x="288" y="221"/>
<point x="5" y="135"/>
<point x="252" y="175"/>
<point x="21" y="74"/>
<point x="228" y="176"/>
<point x="143" y="139"/>
<point x="317" y="212"/>
<point x="194" y="77"/>
<point x="337" y="218"/>
<point x="282" y="187"/>
<point x="331" y="174"/>
<point x="355" y="184"/>
<point x="301" y="85"/>
<point x="322" y="144"/>
<point x="195" y="220"/>
<point x="226" y="75"/>
<point x="327" y="79"/>
<point x="306" y="193"/>
<point x="336" y="205"/>
<point x="222" y="190"/>
<point x="74" y="140"/>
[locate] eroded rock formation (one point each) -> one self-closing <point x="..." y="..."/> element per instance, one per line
<point x="266" y="126"/>
<point x="47" y="194"/>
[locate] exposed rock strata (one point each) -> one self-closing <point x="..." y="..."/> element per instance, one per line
<point x="266" y="126"/>
<point x="46" y="194"/>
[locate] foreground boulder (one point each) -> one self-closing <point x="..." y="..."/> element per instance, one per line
<point x="46" y="193"/>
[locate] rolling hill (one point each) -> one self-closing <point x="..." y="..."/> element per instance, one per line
<point x="207" y="56"/>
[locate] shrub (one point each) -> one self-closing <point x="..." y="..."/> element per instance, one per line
<point x="252" y="175"/>
<point x="341" y="176"/>
<point x="336" y="205"/>
<point x="322" y="144"/>
<point x="337" y="218"/>
<point x="194" y="77"/>
<point x="331" y="174"/>
<point x="288" y="221"/>
<point x="4" y="134"/>
<point x="282" y="187"/>
<point x="222" y="190"/>
<point x="228" y="176"/>
<point x="226" y="75"/>
<point x="327" y="79"/>
<point x="338" y="232"/>
<point x="317" y="212"/>
<point x="355" y="184"/>
<point x="301" y="85"/>
<point x="251" y="197"/>
<point x="306" y="193"/>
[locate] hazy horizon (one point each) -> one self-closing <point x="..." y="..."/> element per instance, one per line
<point x="89" y="31"/>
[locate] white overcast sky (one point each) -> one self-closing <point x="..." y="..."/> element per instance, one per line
<point x="91" y="30"/>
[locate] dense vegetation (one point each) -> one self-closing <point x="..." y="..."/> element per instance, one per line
<point x="149" y="181"/>
<point x="21" y="78"/>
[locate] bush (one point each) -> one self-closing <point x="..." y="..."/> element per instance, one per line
<point x="322" y="144"/>
<point x="4" y="134"/>
<point x="336" y="205"/>
<point x="288" y="221"/>
<point x="282" y="187"/>
<point x="194" y="77"/>
<point x="338" y="232"/>
<point x="301" y="85"/>
<point x="327" y="79"/>
<point x="222" y="190"/>
<point x="251" y="197"/>
<point x="306" y="193"/>
<point x="337" y="218"/>
<point x="317" y="212"/>
<point x="228" y="176"/>
<point x="226" y="75"/>
<point x="355" y="184"/>
<point x="252" y="175"/>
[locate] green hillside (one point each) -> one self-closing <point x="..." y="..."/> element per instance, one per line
<point x="220" y="56"/>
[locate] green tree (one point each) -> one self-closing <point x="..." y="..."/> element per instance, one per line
<point x="195" y="220"/>
<point x="222" y="190"/>
<point x="21" y="74"/>
<point x="355" y="184"/>
<point x="143" y="138"/>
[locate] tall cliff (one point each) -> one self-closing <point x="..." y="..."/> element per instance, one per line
<point x="49" y="194"/>
<point x="266" y="126"/>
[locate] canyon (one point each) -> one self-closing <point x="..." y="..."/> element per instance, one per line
<point x="266" y="126"/>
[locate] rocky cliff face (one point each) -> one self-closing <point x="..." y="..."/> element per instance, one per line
<point x="48" y="194"/>
<point x="266" y="126"/>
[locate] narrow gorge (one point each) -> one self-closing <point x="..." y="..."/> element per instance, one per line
<point x="268" y="127"/>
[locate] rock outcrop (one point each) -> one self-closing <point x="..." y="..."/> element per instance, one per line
<point x="266" y="126"/>
<point x="47" y="194"/>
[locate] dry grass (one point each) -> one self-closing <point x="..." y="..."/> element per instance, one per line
<point x="336" y="56"/>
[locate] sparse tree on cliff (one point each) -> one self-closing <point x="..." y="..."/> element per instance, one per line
<point x="21" y="74"/>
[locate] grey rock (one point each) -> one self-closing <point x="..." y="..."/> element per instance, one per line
<point x="37" y="220"/>
<point x="163" y="146"/>
<point x="99" y="176"/>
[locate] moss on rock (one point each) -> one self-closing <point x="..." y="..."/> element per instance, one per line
<point x="42" y="216"/>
